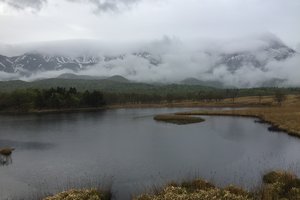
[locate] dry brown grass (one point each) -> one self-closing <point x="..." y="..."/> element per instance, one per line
<point x="250" y="101"/>
<point x="87" y="194"/>
<point x="178" y="119"/>
<point x="285" y="117"/>
<point x="277" y="185"/>
<point x="280" y="185"/>
<point x="197" y="190"/>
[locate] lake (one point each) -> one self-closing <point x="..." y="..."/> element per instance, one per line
<point x="129" y="150"/>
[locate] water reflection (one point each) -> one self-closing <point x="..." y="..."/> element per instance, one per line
<point x="5" y="156"/>
<point x="5" y="153"/>
<point x="26" y="145"/>
<point x="59" y="150"/>
<point x="5" y="160"/>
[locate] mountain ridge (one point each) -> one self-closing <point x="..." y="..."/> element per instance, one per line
<point x="29" y="66"/>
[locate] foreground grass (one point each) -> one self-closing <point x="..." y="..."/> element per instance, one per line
<point x="280" y="185"/>
<point x="92" y="194"/>
<point x="276" y="185"/>
<point x="198" y="190"/>
<point x="178" y="119"/>
<point x="285" y="118"/>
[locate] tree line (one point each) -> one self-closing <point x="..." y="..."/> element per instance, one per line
<point x="53" y="98"/>
<point x="62" y="98"/>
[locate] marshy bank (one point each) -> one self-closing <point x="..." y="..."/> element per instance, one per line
<point x="99" y="105"/>
<point x="275" y="185"/>
<point x="82" y="194"/>
<point x="286" y="119"/>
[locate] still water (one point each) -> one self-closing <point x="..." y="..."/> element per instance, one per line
<point x="129" y="150"/>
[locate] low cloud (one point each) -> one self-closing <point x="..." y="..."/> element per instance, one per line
<point x="45" y="75"/>
<point x="178" y="60"/>
<point x="9" y="76"/>
<point x="99" y="5"/>
<point x="34" y="5"/>
<point x="108" y="5"/>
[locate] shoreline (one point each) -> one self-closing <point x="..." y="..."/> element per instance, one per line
<point x="262" y="118"/>
<point x="275" y="184"/>
<point x="240" y="102"/>
<point x="136" y="106"/>
<point x="281" y="118"/>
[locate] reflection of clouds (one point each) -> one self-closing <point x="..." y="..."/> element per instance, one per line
<point x="5" y="160"/>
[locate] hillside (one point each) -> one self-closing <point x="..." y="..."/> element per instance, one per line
<point x="194" y="81"/>
<point x="212" y="67"/>
<point x="115" y="84"/>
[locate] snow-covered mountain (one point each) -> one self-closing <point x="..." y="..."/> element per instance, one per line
<point x="170" y="62"/>
<point x="29" y="63"/>
<point x="33" y="62"/>
<point x="259" y="58"/>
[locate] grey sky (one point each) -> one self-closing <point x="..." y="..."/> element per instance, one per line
<point x="24" y="4"/>
<point x="26" y="21"/>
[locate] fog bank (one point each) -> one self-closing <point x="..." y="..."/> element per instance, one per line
<point x="260" y="59"/>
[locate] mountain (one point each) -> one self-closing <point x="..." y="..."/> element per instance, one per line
<point x="30" y="63"/>
<point x="167" y="63"/>
<point x="80" y="77"/>
<point x="274" y="82"/>
<point x="105" y="85"/>
<point x="259" y="58"/>
<point x="194" y="81"/>
<point x="118" y="78"/>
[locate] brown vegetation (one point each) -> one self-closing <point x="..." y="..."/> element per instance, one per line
<point x="280" y="185"/>
<point x="92" y="194"/>
<point x="246" y="101"/>
<point x="6" y="151"/>
<point x="276" y="185"/>
<point x="285" y="117"/>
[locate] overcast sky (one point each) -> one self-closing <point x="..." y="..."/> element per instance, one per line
<point x="26" y="21"/>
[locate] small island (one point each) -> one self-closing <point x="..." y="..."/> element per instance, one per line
<point x="6" y="151"/>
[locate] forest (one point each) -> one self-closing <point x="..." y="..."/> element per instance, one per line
<point x="24" y="100"/>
